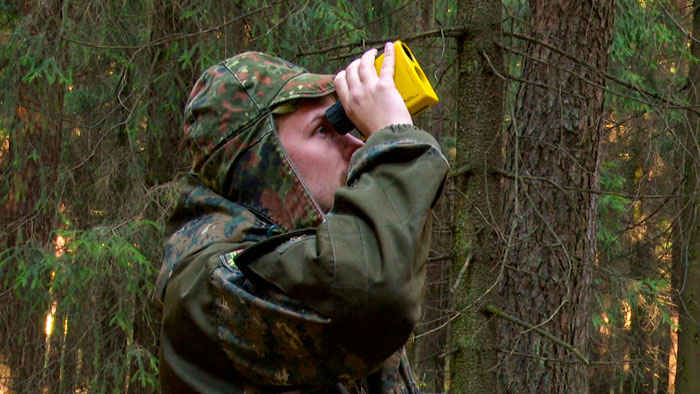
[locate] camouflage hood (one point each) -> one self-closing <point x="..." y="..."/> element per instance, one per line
<point x="236" y="152"/>
<point x="241" y="181"/>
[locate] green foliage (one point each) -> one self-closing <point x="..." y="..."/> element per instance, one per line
<point x="611" y="209"/>
<point x="10" y="11"/>
<point x="81" y="279"/>
<point x="146" y="374"/>
<point x="644" y="34"/>
<point x="644" y="296"/>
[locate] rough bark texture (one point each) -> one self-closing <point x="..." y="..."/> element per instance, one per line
<point x="27" y="214"/>
<point x="687" y="270"/>
<point x="553" y="153"/>
<point x="479" y="152"/>
<point x="29" y="211"/>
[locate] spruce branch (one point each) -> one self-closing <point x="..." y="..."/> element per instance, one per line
<point x="446" y="32"/>
<point x="176" y="37"/>
<point x="644" y="92"/>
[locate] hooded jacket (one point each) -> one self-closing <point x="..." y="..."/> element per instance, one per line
<point x="263" y="292"/>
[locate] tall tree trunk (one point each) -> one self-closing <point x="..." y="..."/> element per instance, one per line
<point x="687" y="270"/>
<point x="479" y="156"/>
<point x="35" y="139"/>
<point x="29" y="209"/>
<point x="555" y="137"/>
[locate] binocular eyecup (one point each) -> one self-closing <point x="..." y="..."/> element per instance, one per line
<point x="339" y="119"/>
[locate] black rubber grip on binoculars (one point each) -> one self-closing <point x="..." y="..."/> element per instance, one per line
<point x="339" y="119"/>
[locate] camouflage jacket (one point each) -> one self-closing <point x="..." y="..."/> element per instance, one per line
<point x="261" y="292"/>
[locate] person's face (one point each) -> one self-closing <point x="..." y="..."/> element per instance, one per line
<point x="319" y="154"/>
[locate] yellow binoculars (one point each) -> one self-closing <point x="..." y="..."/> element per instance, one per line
<point x="410" y="81"/>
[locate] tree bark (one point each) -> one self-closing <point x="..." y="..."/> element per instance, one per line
<point x="29" y="209"/>
<point x="479" y="154"/>
<point x="687" y="265"/>
<point x="555" y="136"/>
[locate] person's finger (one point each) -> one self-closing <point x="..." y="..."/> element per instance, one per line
<point x="388" y="62"/>
<point x="341" y="85"/>
<point x="352" y="75"/>
<point x="368" y="74"/>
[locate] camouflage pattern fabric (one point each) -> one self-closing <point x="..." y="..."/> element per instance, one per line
<point x="229" y="124"/>
<point x="248" y="306"/>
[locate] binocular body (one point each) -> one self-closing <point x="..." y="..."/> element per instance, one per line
<point x="410" y="80"/>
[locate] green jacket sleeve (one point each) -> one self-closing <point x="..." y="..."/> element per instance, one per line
<point x="314" y="307"/>
<point x="364" y="266"/>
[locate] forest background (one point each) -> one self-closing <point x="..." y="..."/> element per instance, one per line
<point x="566" y="247"/>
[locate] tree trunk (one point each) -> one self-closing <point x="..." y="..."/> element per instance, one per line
<point x="554" y="158"/>
<point x="29" y="209"/>
<point x="479" y="156"/>
<point x="687" y="272"/>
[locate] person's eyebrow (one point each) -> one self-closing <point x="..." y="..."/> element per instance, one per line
<point x="320" y="117"/>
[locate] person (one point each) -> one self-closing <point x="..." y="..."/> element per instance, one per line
<point x="295" y="258"/>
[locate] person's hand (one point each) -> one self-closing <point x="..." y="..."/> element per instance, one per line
<point x="371" y="101"/>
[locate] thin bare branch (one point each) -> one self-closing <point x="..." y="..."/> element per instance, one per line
<point x="500" y="313"/>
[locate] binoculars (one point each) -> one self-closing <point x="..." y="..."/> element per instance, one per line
<point x="410" y="81"/>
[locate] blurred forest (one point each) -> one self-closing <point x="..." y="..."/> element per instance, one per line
<point x="566" y="249"/>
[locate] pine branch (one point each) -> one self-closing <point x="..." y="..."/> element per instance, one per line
<point x="470" y="170"/>
<point x="446" y="32"/>
<point x="360" y="27"/>
<point x="595" y="69"/>
<point x="172" y="38"/>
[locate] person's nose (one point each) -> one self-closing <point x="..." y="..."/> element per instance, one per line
<point x="350" y="144"/>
